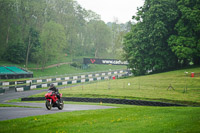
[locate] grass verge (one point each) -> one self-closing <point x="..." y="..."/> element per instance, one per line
<point x="9" y="105"/>
<point x="151" y="87"/>
<point x="63" y="69"/>
<point x="127" y="119"/>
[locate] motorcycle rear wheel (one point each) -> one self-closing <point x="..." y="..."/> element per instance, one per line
<point x="60" y="105"/>
<point x="48" y="105"/>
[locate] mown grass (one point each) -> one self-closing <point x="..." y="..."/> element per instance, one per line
<point x="63" y="69"/>
<point x="34" y="65"/>
<point x="67" y="69"/>
<point x="150" y="87"/>
<point x="127" y="119"/>
<point x="9" y="105"/>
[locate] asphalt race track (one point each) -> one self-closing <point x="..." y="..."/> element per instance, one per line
<point x="7" y="113"/>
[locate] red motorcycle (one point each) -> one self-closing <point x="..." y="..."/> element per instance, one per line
<point x="52" y="101"/>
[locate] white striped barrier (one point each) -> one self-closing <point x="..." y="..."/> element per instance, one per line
<point x="58" y="79"/>
<point x="33" y="87"/>
<point x="20" y="89"/>
<point x="74" y="79"/>
<point x="39" y="81"/>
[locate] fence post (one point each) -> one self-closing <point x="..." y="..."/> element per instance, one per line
<point x="185" y="89"/>
<point x="139" y="82"/>
<point x="109" y="84"/>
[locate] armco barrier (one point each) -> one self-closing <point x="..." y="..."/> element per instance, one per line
<point x="2" y="91"/>
<point x="25" y="88"/>
<point x="39" y="84"/>
<point x="98" y="74"/>
<point x="108" y="100"/>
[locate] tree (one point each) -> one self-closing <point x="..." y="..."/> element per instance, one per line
<point x="9" y="28"/>
<point x="32" y="42"/>
<point x="16" y="53"/>
<point x="52" y="41"/>
<point x="185" y="42"/>
<point x="100" y="34"/>
<point x="30" y="14"/>
<point x="146" y="45"/>
<point x="24" y="22"/>
<point x="118" y="31"/>
<point x="18" y="18"/>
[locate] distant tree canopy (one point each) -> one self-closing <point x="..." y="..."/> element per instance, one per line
<point x="42" y="30"/>
<point x="166" y="36"/>
<point x="185" y="42"/>
<point x="53" y="40"/>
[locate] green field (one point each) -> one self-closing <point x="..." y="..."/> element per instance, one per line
<point x="125" y="119"/>
<point x="65" y="69"/>
<point x="9" y="105"/>
<point x="150" y="87"/>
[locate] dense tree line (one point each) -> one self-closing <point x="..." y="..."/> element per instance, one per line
<point x="166" y="36"/>
<point x="42" y="30"/>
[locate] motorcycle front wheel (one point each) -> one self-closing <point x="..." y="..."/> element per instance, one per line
<point x="60" y="105"/>
<point x="48" y="105"/>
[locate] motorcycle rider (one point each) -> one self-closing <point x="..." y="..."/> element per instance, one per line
<point x="55" y="90"/>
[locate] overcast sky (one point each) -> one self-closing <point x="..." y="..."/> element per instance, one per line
<point x="123" y="10"/>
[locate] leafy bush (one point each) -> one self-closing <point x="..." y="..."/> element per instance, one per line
<point x="75" y="64"/>
<point x="16" y="53"/>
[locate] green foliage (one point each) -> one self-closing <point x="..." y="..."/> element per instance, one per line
<point x="25" y="21"/>
<point x="76" y="64"/>
<point x="118" y="31"/>
<point x="52" y="42"/>
<point x="185" y="43"/>
<point x="146" y="45"/>
<point x="16" y="53"/>
<point x="32" y="43"/>
<point x="100" y="34"/>
<point x="165" y="37"/>
<point x="183" y="47"/>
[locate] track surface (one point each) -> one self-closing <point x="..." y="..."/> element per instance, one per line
<point x="7" y="113"/>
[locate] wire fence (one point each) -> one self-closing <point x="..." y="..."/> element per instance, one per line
<point x="167" y="88"/>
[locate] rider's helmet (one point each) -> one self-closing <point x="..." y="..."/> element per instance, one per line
<point x="51" y="85"/>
